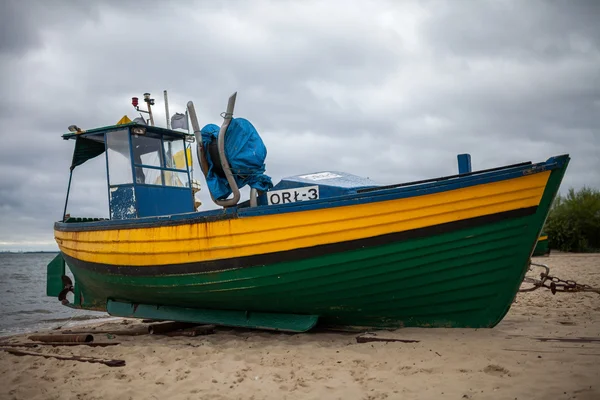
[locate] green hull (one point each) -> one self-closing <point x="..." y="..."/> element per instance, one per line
<point x="464" y="278"/>
<point x="467" y="278"/>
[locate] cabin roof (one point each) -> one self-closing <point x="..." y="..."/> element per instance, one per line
<point x="149" y="128"/>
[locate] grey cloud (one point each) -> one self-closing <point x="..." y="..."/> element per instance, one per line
<point x="548" y="31"/>
<point x="23" y="23"/>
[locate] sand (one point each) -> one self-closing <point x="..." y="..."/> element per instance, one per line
<point x="506" y="362"/>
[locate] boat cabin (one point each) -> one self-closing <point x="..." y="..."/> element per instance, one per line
<point x="148" y="172"/>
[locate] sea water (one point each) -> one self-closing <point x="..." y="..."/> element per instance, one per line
<point x="24" y="306"/>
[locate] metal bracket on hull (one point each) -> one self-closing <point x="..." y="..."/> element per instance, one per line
<point x="241" y="319"/>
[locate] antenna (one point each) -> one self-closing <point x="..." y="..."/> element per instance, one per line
<point x="149" y="102"/>
<point x="167" y="110"/>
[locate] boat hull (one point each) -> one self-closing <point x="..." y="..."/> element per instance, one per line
<point x="455" y="261"/>
<point x="542" y="247"/>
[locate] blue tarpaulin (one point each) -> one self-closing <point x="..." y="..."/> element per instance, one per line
<point x="246" y="154"/>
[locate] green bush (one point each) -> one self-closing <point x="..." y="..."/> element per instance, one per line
<point x="574" y="221"/>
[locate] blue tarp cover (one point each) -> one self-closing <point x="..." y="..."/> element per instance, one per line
<point x="246" y="154"/>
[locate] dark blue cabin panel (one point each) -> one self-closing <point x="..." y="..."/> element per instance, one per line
<point x="154" y="200"/>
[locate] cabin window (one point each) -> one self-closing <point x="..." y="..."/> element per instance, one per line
<point x="159" y="161"/>
<point x="147" y="152"/>
<point x="119" y="160"/>
<point x="175" y="159"/>
<point x="174" y="154"/>
<point x="148" y="176"/>
<point x="175" y="178"/>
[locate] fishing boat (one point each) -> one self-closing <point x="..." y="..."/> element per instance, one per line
<point x="542" y="248"/>
<point x="322" y="248"/>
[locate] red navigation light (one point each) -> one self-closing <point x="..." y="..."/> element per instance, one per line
<point x="134" y="101"/>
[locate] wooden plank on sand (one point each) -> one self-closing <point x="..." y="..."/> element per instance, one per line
<point x="110" y="363"/>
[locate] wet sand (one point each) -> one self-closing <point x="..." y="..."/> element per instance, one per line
<point x="514" y="360"/>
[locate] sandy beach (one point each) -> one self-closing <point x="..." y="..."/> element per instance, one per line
<point x="525" y="357"/>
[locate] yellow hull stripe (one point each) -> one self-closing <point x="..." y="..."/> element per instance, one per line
<point x="542" y="238"/>
<point x="248" y="236"/>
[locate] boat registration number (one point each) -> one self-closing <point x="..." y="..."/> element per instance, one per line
<point x="294" y="195"/>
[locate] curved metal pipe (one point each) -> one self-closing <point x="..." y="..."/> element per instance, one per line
<point x="224" y="162"/>
<point x="199" y="148"/>
<point x="198" y="136"/>
<point x="221" y="147"/>
<point x="253" y="197"/>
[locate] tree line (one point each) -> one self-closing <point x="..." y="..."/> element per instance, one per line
<point x="573" y="224"/>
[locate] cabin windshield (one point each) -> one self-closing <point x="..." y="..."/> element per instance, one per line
<point x="157" y="160"/>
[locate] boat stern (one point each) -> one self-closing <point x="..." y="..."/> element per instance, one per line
<point x="59" y="285"/>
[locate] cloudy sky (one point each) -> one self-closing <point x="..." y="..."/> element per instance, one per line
<point x="392" y="90"/>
